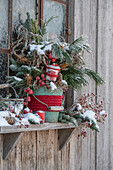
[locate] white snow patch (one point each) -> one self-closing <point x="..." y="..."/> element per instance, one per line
<point x="35" y="68"/>
<point x="64" y="82"/>
<point x="53" y="86"/>
<point x="27" y="109"/>
<point x="17" y="78"/>
<point x="31" y="116"/>
<point x="3" y="122"/>
<point x="97" y="126"/>
<point x="39" y="49"/>
<point x="48" y="47"/>
<point x="19" y="122"/>
<point x="90" y="115"/>
<point x="18" y="108"/>
<point x="66" y="48"/>
<point x="102" y="112"/>
<point x="78" y="106"/>
<point x="40" y="111"/>
<point x="5" y="113"/>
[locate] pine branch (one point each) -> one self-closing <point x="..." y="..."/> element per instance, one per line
<point x="78" y="45"/>
<point x="95" y="76"/>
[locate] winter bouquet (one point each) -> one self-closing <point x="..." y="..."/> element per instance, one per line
<point x="49" y="65"/>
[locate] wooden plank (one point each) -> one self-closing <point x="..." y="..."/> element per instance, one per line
<point x="105" y="68"/>
<point x="60" y="1"/>
<point x="1" y="151"/>
<point x="87" y="157"/>
<point x="18" y="154"/>
<point x="29" y="150"/>
<point x="10" y="99"/>
<point x="2" y="86"/>
<point x="4" y="51"/>
<point x="45" y="126"/>
<point x="63" y="137"/>
<point x="9" y="142"/>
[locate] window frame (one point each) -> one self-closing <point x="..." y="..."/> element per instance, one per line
<point x="40" y="17"/>
<point x="8" y="50"/>
<point x="40" y="14"/>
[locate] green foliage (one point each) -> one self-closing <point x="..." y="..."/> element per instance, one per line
<point x="94" y="127"/>
<point x="42" y="31"/>
<point x="31" y="121"/>
<point x="20" y="72"/>
<point x="95" y="76"/>
<point x="27" y="23"/>
<point x="78" y="45"/>
<point x="62" y="55"/>
<point x="66" y="119"/>
<point x="13" y="81"/>
<point x="70" y="55"/>
<point x="33" y="27"/>
<point x="77" y="77"/>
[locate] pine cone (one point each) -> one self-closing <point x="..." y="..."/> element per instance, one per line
<point x="10" y="120"/>
<point x="63" y="66"/>
<point x="28" y="78"/>
<point x="59" y="79"/>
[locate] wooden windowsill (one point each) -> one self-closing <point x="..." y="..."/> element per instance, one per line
<point x="12" y="134"/>
<point x="36" y="127"/>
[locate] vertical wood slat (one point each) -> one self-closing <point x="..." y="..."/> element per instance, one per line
<point x="105" y="69"/>
<point x="85" y="24"/>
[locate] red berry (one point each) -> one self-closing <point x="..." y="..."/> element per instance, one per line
<point x="40" y="81"/>
<point x="43" y="83"/>
<point x="50" y="56"/>
<point x="25" y="112"/>
<point x="25" y="98"/>
<point x="53" y="60"/>
<point x="25" y="103"/>
<point x="28" y="89"/>
<point x="28" y="98"/>
<point x="31" y="111"/>
<point x="42" y="76"/>
<point x="46" y="62"/>
<point x="48" y="87"/>
<point x="37" y="78"/>
<point x="30" y="92"/>
<point x="40" y="85"/>
<point x="43" y="79"/>
<point x="56" y="64"/>
<point x="25" y="90"/>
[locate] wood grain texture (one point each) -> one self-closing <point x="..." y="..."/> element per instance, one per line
<point x="64" y="136"/>
<point x="85" y="24"/>
<point x="38" y="150"/>
<point x="9" y="142"/>
<point x="45" y="126"/>
<point x="105" y="69"/>
<point x="2" y="86"/>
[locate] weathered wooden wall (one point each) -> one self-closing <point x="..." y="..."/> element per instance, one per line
<point x="39" y="150"/>
<point x="94" y="19"/>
